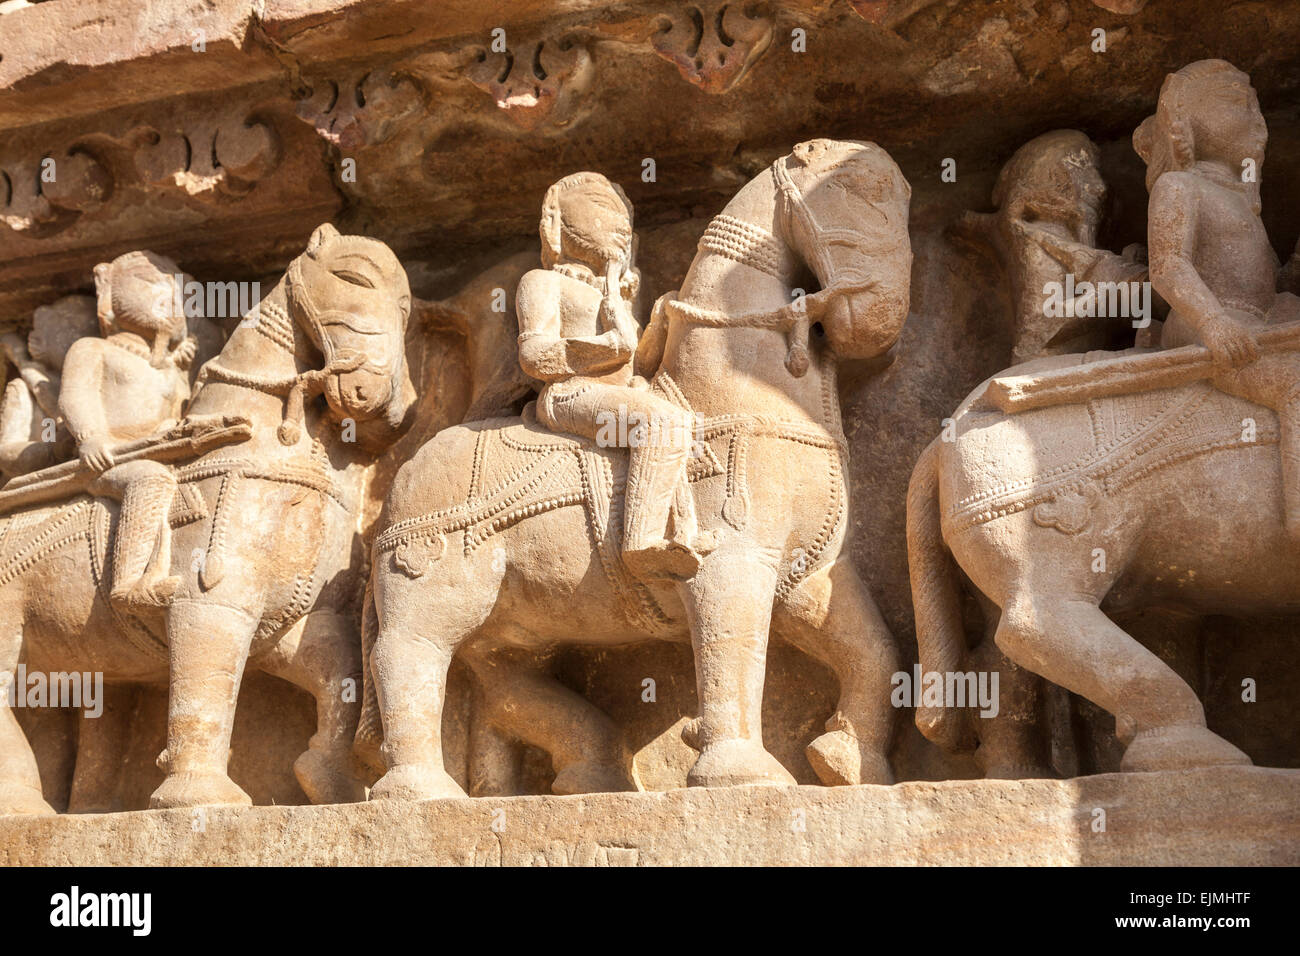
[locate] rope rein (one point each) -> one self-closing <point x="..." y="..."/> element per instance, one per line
<point x="274" y="324"/>
<point x="792" y="318"/>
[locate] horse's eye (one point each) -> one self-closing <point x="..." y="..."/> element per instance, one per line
<point x="355" y="278"/>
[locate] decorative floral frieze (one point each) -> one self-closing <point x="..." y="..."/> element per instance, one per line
<point x="714" y="44"/>
<point x="537" y="80"/>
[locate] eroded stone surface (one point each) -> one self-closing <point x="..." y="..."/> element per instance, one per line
<point x="1195" y="818"/>
<point x="847" y="217"/>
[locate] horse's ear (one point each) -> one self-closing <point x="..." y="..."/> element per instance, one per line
<point x="324" y="232"/>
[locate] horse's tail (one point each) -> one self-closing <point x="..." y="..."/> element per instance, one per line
<point x="936" y="599"/>
<point x="370" y="728"/>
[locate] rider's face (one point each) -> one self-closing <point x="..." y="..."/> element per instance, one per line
<point x="597" y="226"/>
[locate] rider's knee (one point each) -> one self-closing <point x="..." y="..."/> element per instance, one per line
<point x="143" y="470"/>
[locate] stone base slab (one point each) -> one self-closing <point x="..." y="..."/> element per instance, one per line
<point x="1224" y="817"/>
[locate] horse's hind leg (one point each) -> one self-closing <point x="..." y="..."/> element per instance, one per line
<point x="1013" y="745"/>
<point x="832" y="617"/>
<point x="322" y="655"/>
<point x="1074" y="644"/>
<point x="20" y="780"/>
<point x="586" y="746"/>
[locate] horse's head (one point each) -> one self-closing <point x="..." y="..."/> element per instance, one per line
<point x="351" y="296"/>
<point x="845" y="212"/>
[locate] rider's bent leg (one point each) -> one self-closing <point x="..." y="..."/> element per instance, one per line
<point x="142" y="549"/>
<point x="659" y="518"/>
<point x="659" y="511"/>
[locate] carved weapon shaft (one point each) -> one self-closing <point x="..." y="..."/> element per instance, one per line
<point x="71" y="477"/>
<point x="1119" y="376"/>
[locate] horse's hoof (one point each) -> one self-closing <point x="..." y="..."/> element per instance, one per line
<point x="738" y="763"/>
<point x="840" y="760"/>
<point x="691" y="734"/>
<point x="589" y="776"/>
<point x="327" y="781"/>
<point x="198" y="790"/>
<point x="25" y="801"/>
<point x="416" y="781"/>
<point x="1182" y="747"/>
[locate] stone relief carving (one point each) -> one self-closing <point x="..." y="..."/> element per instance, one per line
<point x="539" y="80"/>
<point x="522" y="491"/>
<point x="1045" y="526"/>
<point x="1051" y="198"/>
<point x="251" y="449"/>
<point x="32" y="432"/>
<point x="714" y="44"/>
<point x="452" y="519"/>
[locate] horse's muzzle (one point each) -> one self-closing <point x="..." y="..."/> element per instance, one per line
<point x="361" y="393"/>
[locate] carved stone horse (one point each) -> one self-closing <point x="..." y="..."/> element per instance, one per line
<point x="265" y="538"/>
<point x="1064" y="516"/>
<point x="501" y="534"/>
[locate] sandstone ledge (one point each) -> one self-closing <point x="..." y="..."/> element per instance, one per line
<point x="1238" y="817"/>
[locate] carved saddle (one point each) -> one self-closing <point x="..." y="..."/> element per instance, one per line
<point x="1127" y="438"/>
<point x="521" y="469"/>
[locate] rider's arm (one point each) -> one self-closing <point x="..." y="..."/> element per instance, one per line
<point x="43" y="386"/>
<point x="81" y="396"/>
<point x="543" y="352"/>
<point x="1171" y="232"/>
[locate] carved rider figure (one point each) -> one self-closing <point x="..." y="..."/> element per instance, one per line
<point x="32" y="433"/>
<point x="130" y="384"/>
<point x="577" y="334"/>
<point x="1050" y="197"/>
<point x="1211" y="258"/>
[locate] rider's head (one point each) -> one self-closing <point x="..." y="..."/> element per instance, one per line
<point x="1207" y="111"/>
<point x="1054" y="179"/>
<point x="136" y="293"/>
<point x="588" y="219"/>
<point x="56" y="326"/>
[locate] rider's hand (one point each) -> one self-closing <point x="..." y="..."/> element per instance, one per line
<point x="1231" y="343"/>
<point x="95" y="454"/>
<point x="614" y="317"/>
<point x="183" y="357"/>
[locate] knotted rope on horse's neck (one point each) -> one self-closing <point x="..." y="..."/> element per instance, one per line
<point x="276" y="326"/>
<point x="803" y="232"/>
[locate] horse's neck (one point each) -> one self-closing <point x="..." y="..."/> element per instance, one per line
<point x="741" y="370"/>
<point x="264" y="352"/>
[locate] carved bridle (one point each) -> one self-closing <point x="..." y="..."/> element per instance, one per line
<point x="275" y="325"/>
<point x="803" y="233"/>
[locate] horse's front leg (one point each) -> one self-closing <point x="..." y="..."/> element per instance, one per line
<point x="729" y="607"/>
<point x="208" y="647"/>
